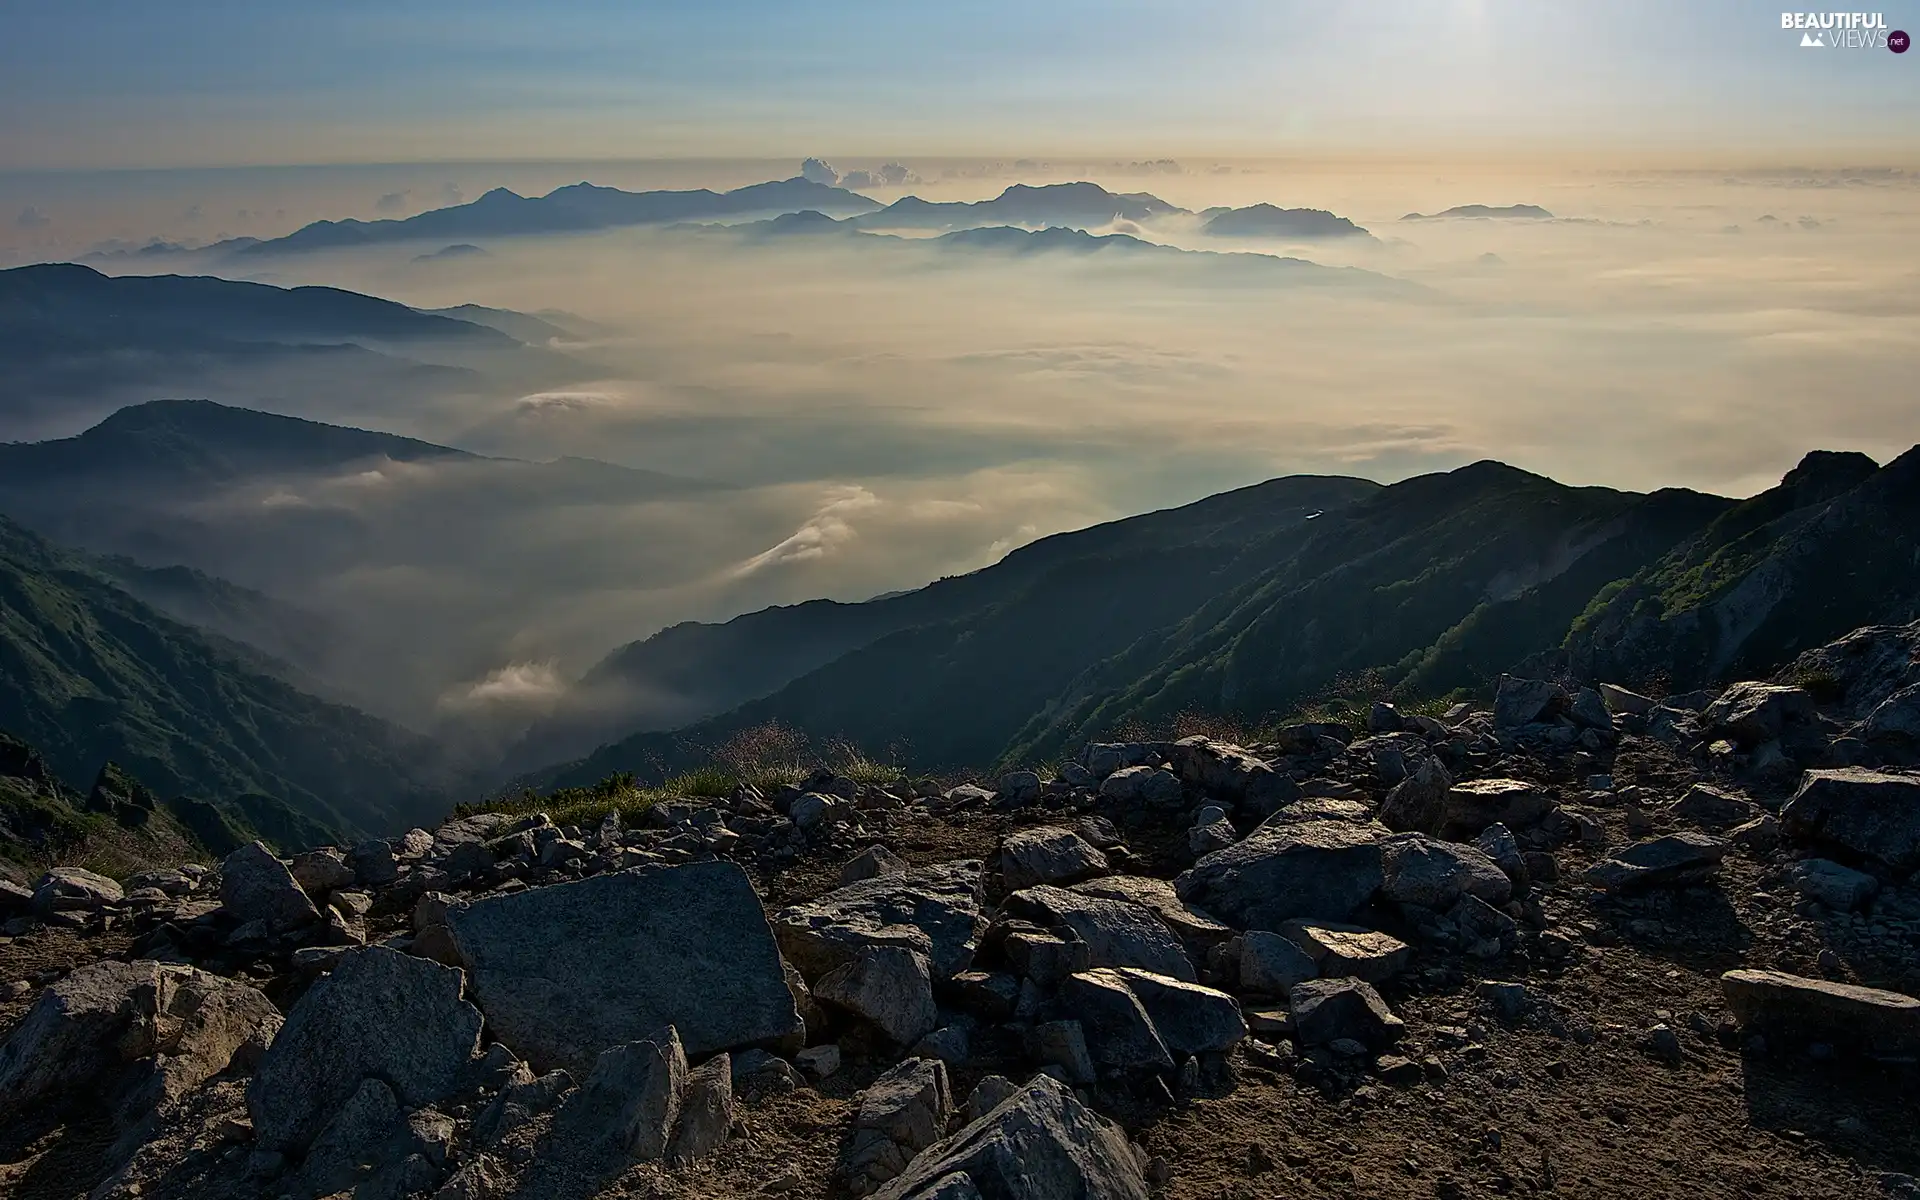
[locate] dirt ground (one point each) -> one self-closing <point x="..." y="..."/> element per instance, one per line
<point x="1567" y="1100"/>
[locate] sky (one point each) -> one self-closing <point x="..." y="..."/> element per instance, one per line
<point x="95" y="84"/>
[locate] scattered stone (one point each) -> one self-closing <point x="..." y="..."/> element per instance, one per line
<point x="1753" y="713"/>
<point x="553" y="968"/>
<point x="889" y="987"/>
<point x="1418" y="803"/>
<point x="1040" y="1143"/>
<point x="1190" y="1019"/>
<point x="819" y="1061"/>
<point x="987" y="1095"/>
<point x="1510" y="1001"/>
<point x="1322" y="868"/>
<point x="706" y="1111"/>
<point x="1325" y="1010"/>
<point x="321" y="871"/>
<point x="1423" y="871"/>
<point x="1672" y="861"/>
<point x="1048" y="856"/>
<point x="373" y="863"/>
<point x="1477" y="803"/>
<point x="1211" y="831"/>
<point x="1712" y="808"/>
<point x="1117" y="933"/>
<point x="1620" y="700"/>
<point x="1841" y="889"/>
<point x="1119" y="1034"/>
<point x="901" y="1113"/>
<point x="1350" y="952"/>
<point x="144" y="1032"/>
<point x="1019" y="788"/>
<point x="758" y="1073"/>
<point x="1062" y="1044"/>
<point x="933" y="910"/>
<point x="1497" y="842"/>
<point x="378" y="1013"/>
<point x="1880" y="1022"/>
<point x="628" y="1107"/>
<point x="872" y="863"/>
<point x="1518" y="702"/>
<point x="1871" y="813"/>
<point x="520" y="1101"/>
<point x="73" y="889"/>
<point x="1758" y="836"/>
<point x="256" y="886"/>
<point x="1143" y="785"/>
<point x="1273" y="964"/>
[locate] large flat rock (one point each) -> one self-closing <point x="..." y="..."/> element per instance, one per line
<point x="1118" y="933"/>
<point x="564" y="972"/>
<point x="1874" y="813"/>
<point x="1879" y="1021"/>
<point x="1324" y="869"/>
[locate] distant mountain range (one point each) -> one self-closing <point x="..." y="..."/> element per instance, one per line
<point x="577" y="208"/>
<point x="1073" y="205"/>
<point x="72" y="338"/>
<point x="1524" y="212"/>
<point x="1258" y="601"/>
<point x="1059" y="241"/>
<point x="1266" y="221"/>
<point x="93" y="674"/>
<point x="585" y="207"/>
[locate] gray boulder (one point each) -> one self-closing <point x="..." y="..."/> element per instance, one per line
<point x="1019" y="788"/>
<point x="1841" y="889"/>
<point x="1047" y="855"/>
<point x="1230" y="773"/>
<point x="1325" y="868"/>
<point x="321" y="871"/>
<point x="256" y="886"/>
<point x="1752" y="713"/>
<point x="373" y="863"/>
<point x="934" y="910"/>
<point x="1327" y="1010"/>
<point x="1429" y="873"/>
<point x="1120" y="1035"/>
<point x="1878" y="1021"/>
<point x="379" y="1013"/>
<point x="1518" y="702"/>
<point x="1061" y="1044"/>
<point x="1190" y="1019"/>
<point x="1676" y="860"/>
<point x="872" y="863"/>
<point x="143" y="1031"/>
<point x="1143" y="785"/>
<point x="520" y="1101"/>
<point x="1478" y="803"/>
<point x="1347" y="951"/>
<point x="1497" y="842"/>
<point x="889" y="987"/>
<point x="1712" y="808"/>
<point x="1894" y="722"/>
<point x="1197" y="929"/>
<point x="628" y="1107"/>
<point x="1117" y="933"/>
<point x="1040" y="1143"/>
<point x="901" y="1113"/>
<point x="74" y="889"/>
<point x="1871" y="813"/>
<point x="1419" y="802"/>
<point x="1273" y="964"/>
<point x="564" y="972"/>
<point x="706" y="1111"/>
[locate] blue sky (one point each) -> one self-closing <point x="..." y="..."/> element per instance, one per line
<point x="91" y="83"/>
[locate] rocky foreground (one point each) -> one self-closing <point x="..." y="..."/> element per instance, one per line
<point x="1586" y="943"/>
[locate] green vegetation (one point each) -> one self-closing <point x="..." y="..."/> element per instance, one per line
<point x="764" y="757"/>
<point x="88" y="674"/>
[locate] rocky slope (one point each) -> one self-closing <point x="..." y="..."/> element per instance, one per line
<point x="1504" y="952"/>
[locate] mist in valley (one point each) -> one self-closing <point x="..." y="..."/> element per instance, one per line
<point x="841" y="416"/>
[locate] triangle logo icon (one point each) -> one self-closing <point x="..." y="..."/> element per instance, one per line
<point x="1813" y="39"/>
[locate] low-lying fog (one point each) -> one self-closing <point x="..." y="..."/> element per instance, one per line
<point x="887" y="413"/>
